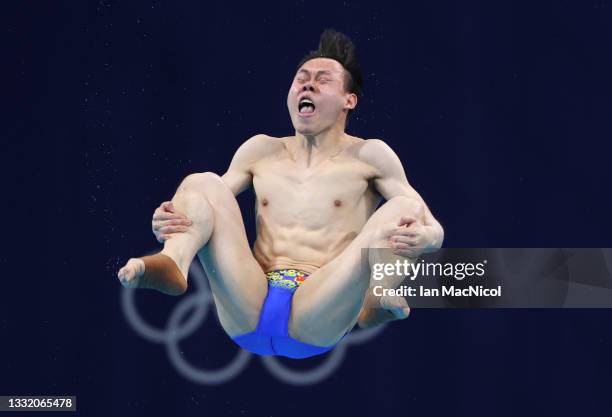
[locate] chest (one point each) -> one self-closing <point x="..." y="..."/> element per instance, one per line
<point x="335" y="182"/>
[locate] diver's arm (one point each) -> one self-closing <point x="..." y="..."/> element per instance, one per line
<point x="392" y="182"/>
<point x="239" y="176"/>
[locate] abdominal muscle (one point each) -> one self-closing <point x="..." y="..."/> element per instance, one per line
<point x="306" y="233"/>
<point x="299" y="248"/>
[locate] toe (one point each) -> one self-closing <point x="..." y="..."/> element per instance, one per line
<point x="126" y="273"/>
<point x="123" y="273"/>
<point x="398" y="306"/>
<point x="402" y="313"/>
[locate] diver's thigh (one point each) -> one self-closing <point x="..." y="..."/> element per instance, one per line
<point x="236" y="279"/>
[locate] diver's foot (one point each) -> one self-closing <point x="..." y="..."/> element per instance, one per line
<point x="379" y="310"/>
<point x="180" y="261"/>
<point x="397" y="306"/>
<point x="131" y="273"/>
<point x="158" y="272"/>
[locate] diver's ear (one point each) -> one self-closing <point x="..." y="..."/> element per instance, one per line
<point x="351" y="101"/>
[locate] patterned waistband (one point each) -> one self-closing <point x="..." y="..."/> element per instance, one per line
<point x="286" y="278"/>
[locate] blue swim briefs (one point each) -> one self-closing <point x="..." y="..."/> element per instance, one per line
<point x="271" y="336"/>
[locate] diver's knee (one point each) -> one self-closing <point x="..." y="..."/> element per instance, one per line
<point x="192" y="197"/>
<point x="206" y="185"/>
<point x="407" y="205"/>
<point x="200" y="180"/>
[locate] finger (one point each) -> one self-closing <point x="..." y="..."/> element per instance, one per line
<point x="405" y="232"/>
<point x="404" y="239"/>
<point x="402" y="246"/>
<point x="406" y="221"/>
<point x="407" y="253"/>
<point x="163" y="238"/>
<point x="172" y="229"/>
<point x="167" y="206"/>
<point x="162" y="227"/>
<point x="162" y="215"/>
<point x="175" y="222"/>
<point x="164" y="206"/>
<point x="414" y="225"/>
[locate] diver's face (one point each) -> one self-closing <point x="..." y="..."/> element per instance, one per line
<point x="317" y="99"/>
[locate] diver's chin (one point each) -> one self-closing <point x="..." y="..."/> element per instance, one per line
<point x="305" y="129"/>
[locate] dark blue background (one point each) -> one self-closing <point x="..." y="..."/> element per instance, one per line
<point x="500" y="112"/>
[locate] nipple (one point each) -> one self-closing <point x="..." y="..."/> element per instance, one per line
<point x="337" y="203"/>
<point x="264" y="202"/>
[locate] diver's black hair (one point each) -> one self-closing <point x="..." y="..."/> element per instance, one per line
<point x="339" y="47"/>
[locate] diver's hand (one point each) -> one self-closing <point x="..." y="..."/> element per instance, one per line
<point x="409" y="238"/>
<point x="167" y="221"/>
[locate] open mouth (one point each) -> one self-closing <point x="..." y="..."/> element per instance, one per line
<point x="306" y="107"/>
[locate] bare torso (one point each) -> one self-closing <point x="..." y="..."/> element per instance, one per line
<point x="315" y="193"/>
<point x="314" y="197"/>
<point x="307" y="213"/>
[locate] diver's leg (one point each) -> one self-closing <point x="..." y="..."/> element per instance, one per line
<point x="218" y="236"/>
<point x="328" y="303"/>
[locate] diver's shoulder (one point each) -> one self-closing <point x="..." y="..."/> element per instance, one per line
<point x="371" y="143"/>
<point x="261" y="139"/>
<point x="256" y="148"/>
<point x="368" y="148"/>
<point x="375" y="143"/>
<point x="262" y="142"/>
<point x="375" y="153"/>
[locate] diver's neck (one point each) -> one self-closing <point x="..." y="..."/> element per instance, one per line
<point x="321" y="146"/>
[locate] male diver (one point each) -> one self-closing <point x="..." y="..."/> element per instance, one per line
<point x="304" y="284"/>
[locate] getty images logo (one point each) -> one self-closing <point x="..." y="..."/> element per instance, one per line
<point x="200" y="303"/>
